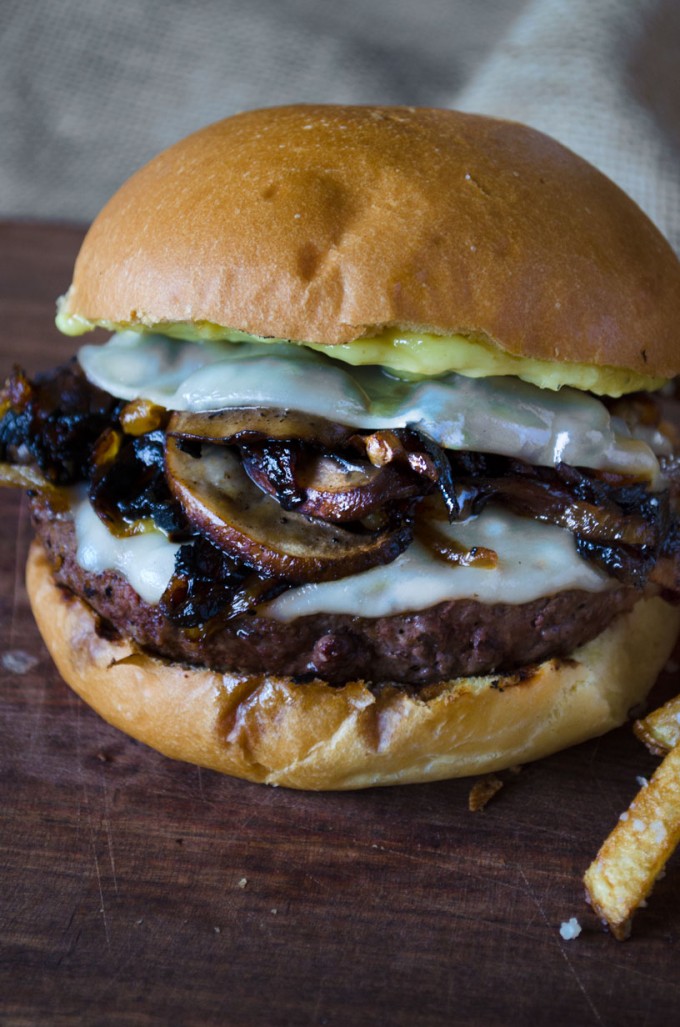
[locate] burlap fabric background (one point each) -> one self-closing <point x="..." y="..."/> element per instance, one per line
<point x="90" y="89"/>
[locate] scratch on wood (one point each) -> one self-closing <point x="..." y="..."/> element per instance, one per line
<point x="102" y="908"/>
<point x="480" y="864"/>
<point x="111" y="857"/>
<point x="107" y="827"/>
<point x="71" y="947"/>
<point x="562" y="949"/>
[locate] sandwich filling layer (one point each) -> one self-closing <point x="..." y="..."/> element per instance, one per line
<point x="262" y="508"/>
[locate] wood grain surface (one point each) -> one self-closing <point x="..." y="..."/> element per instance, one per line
<point x="140" y="891"/>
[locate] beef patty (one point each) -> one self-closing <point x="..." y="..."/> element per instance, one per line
<point x="451" y="639"/>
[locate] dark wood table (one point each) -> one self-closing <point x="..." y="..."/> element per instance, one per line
<point x="141" y="891"/>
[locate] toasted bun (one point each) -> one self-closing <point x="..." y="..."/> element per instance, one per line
<point x="316" y="737"/>
<point x="328" y="223"/>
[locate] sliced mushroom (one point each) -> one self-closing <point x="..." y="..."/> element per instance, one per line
<point x="253" y="424"/>
<point x="219" y="498"/>
<point x="405" y="451"/>
<point x="335" y="488"/>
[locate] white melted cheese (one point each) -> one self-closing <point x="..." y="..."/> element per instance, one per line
<point x="490" y="415"/>
<point x="534" y="560"/>
<point x="146" y="561"/>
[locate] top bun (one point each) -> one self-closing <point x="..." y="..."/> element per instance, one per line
<point x="325" y="224"/>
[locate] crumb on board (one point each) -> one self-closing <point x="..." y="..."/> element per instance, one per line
<point x="16" y="661"/>
<point x="482" y="791"/>
<point x="242" y="883"/>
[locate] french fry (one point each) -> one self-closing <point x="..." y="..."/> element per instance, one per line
<point x="660" y="730"/>
<point x="624" y="871"/>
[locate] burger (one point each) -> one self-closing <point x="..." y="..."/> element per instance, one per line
<point x="373" y="481"/>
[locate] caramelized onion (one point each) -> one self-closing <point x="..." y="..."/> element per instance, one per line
<point x="209" y="588"/>
<point x="545" y="502"/>
<point x="128" y="489"/>
<point x="141" y="416"/>
<point x="405" y="447"/>
<point x="53" y="421"/>
<point x="273" y="466"/>
<point x="221" y="501"/>
<point x="450" y="551"/>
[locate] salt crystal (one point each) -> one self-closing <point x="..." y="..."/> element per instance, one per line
<point x="570" y="929"/>
<point x="658" y="829"/>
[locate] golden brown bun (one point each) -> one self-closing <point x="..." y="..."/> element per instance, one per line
<point x="325" y="223"/>
<point x="317" y="737"/>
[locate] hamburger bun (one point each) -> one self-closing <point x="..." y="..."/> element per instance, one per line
<point x="325" y="224"/>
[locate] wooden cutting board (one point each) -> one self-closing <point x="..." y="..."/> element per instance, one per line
<point x="141" y="891"/>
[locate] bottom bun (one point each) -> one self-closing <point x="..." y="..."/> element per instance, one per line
<point x="315" y="736"/>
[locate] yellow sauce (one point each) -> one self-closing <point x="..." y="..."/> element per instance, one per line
<point x="408" y="353"/>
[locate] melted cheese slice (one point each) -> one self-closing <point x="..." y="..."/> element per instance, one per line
<point x="146" y="561"/>
<point x="491" y="415"/>
<point x="534" y="560"/>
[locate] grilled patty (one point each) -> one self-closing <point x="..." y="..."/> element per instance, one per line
<point x="451" y="639"/>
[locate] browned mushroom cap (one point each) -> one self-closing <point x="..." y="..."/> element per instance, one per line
<point x="334" y="487"/>
<point x="219" y="498"/>
<point x="253" y="424"/>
